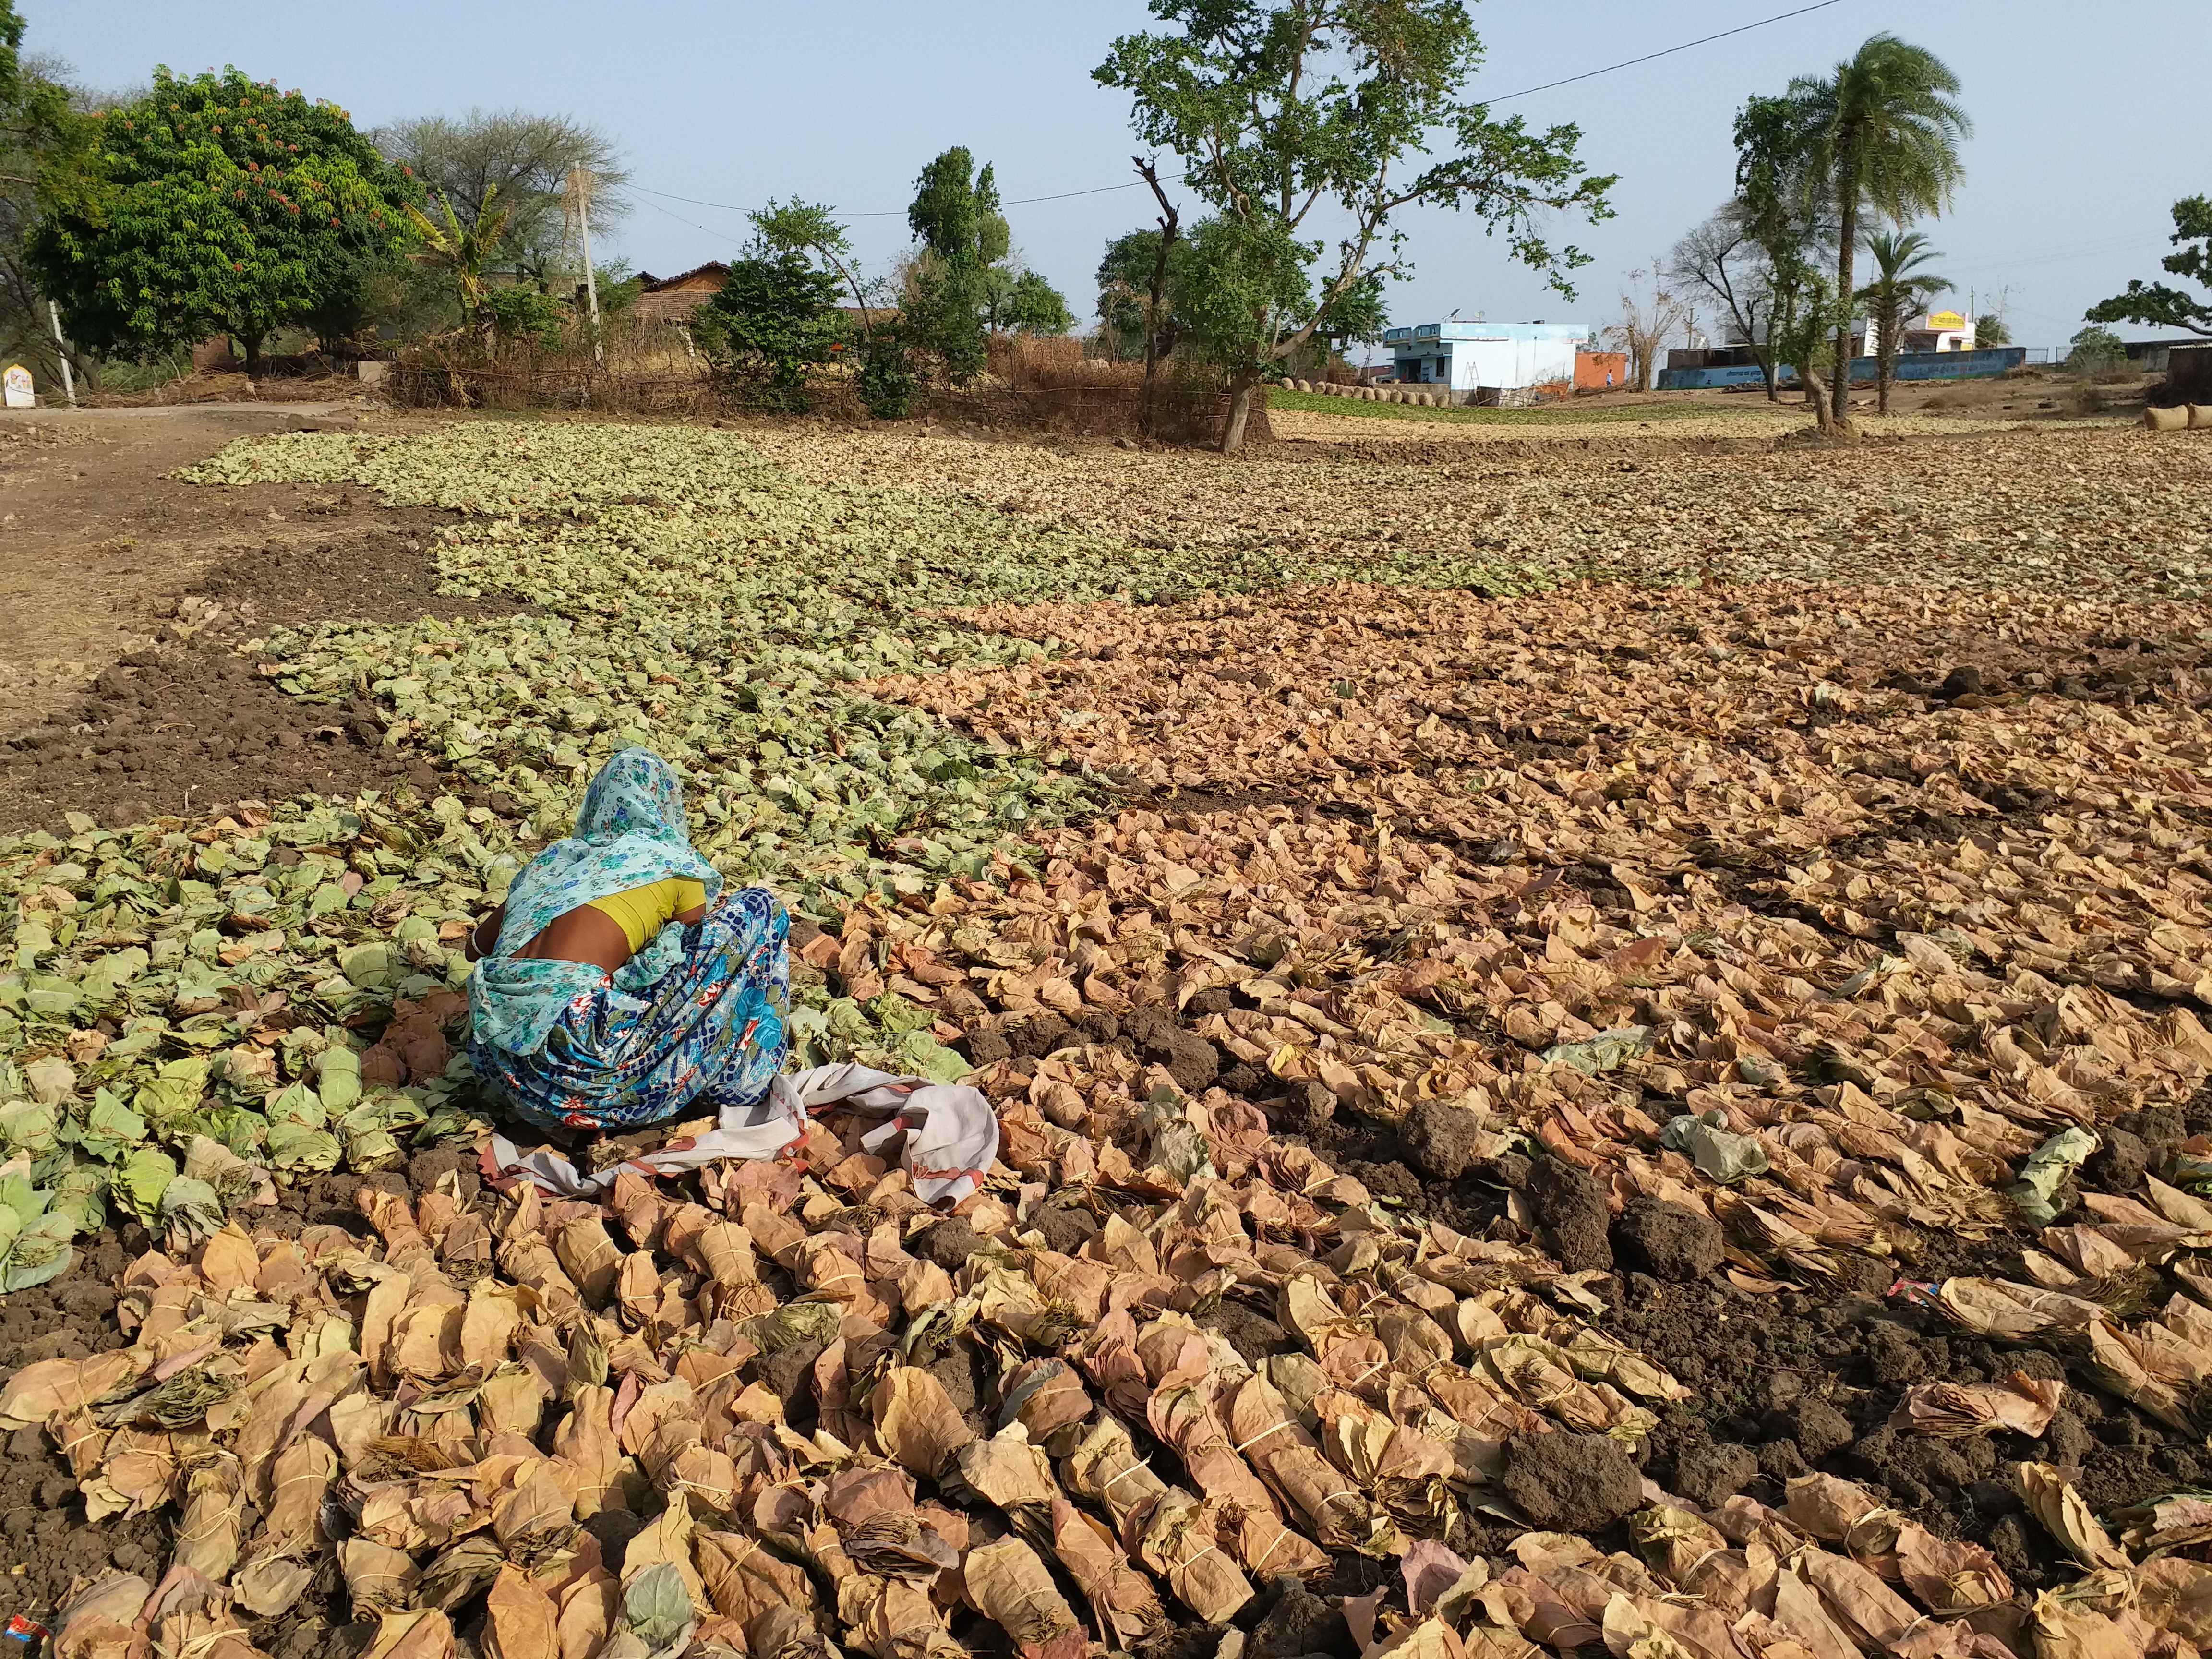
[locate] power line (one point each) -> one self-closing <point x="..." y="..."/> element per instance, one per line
<point x="901" y="213"/>
<point x="1705" y="40"/>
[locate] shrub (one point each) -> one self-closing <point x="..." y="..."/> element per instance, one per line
<point x="2096" y="350"/>
<point x="524" y="313"/>
<point x="886" y="380"/>
<point x="772" y="323"/>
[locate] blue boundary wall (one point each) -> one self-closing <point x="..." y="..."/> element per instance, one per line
<point x="1910" y="366"/>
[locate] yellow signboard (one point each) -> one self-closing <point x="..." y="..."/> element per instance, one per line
<point x="1945" y="321"/>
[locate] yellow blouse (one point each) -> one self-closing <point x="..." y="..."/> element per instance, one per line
<point x="642" y="912"/>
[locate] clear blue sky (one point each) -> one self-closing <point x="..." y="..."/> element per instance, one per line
<point x="2086" y="130"/>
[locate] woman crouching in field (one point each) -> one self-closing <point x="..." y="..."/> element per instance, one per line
<point x="619" y="984"/>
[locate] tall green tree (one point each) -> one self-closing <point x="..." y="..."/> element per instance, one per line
<point x="2162" y="306"/>
<point x="1278" y="110"/>
<point x="1882" y="136"/>
<point x="1125" y="276"/>
<point x="36" y="132"/>
<point x="1903" y="283"/>
<point x="955" y="215"/>
<point x="212" y="205"/>
<point x="1124" y="279"/>
<point x="1779" y="201"/>
<point x="885" y="379"/>
<point x="1031" y="305"/>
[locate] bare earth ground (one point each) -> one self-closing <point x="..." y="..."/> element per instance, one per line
<point x="126" y="590"/>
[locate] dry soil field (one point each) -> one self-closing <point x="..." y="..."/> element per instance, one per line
<point x="1598" y="1033"/>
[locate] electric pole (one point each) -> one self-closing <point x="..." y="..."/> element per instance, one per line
<point x="580" y="181"/>
<point x="61" y="350"/>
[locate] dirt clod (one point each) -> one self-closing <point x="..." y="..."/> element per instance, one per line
<point x="950" y="1243"/>
<point x="1571" y="1206"/>
<point x="2118" y="1164"/>
<point x="1310" y="1106"/>
<point x="986" y="1048"/>
<point x="1891" y="1353"/>
<point x="1254" y="1335"/>
<point x="789" y="1375"/>
<point x="1190" y="1059"/>
<point x="1439" y="1139"/>
<point x="1819" y="1429"/>
<point x="1709" y="1475"/>
<point x="1299" y="1623"/>
<point x="1669" y="1240"/>
<point x="1065" y="1228"/>
<point x="1572" y="1482"/>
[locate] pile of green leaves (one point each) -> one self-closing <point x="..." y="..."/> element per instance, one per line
<point x="180" y="1012"/>
<point x="709" y="606"/>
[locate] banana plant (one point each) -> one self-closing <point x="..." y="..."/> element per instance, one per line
<point x="462" y="249"/>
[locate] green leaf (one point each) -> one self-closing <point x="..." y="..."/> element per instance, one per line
<point x="657" y="1605"/>
<point x="1721" y="1154"/>
<point x="1608" y="1051"/>
<point x="2048" y="1169"/>
<point x="141" y="1180"/>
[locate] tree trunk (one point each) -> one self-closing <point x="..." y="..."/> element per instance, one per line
<point x="253" y="345"/>
<point x="1816" y="395"/>
<point x="1885" y="359"/>
<point x="1766" y="369"/>
<point x="1847" y="236"/>
<point x="1240" y="411"/>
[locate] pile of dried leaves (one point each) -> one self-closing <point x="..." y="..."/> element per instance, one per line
<point x="1831" y="920"/>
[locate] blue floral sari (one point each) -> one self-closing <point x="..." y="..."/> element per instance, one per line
<point x="698" y="1017"/>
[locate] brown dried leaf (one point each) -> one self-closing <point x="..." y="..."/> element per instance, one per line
<point x="521" y="1621"/>
<point x="1008" y="1585"/>
<point x="377" y="1577"/>
<point x="422" y="1634"/>
<point x="60" y="1388"/>
<point x="271" y="1585"/>
<point x="1123" y="1605"/>
<point x="915" y="1421"/>
<point x="97" y="1622"/>
<point x="2055" y="1502"/>
<point x="2021" y="1403"/>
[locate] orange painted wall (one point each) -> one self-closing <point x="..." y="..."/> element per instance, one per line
<point x="1591" y="368"/>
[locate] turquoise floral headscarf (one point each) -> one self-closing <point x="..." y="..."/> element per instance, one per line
<point x="629" y="833"/>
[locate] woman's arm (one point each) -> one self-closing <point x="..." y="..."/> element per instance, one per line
<point x="475" y="947"/>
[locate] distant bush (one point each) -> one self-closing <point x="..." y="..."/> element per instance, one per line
<point x="524" y="313"/>
<point x="771" y="324"/>
<point x="2096" y="350"/>
<point x="886" y="380"/>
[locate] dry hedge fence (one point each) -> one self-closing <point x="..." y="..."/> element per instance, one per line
<point x="1043" y="386"/>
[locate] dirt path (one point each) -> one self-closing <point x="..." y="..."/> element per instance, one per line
<point x="96" y="537"/>
<point x="124" y="592"/>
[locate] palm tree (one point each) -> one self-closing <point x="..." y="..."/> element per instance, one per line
<point x="1884" y="131"/>
<point x="462" y="249"/>
<point x="1902" y="284"/>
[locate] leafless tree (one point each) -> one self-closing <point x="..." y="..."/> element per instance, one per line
<point x="521" y="160"/>
<point x="1720" y="259"/>
<point x="1647" y="322"/>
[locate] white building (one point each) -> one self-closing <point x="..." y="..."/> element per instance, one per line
<point x="1938" y="331"/>
<point x="1498" y="356"/>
